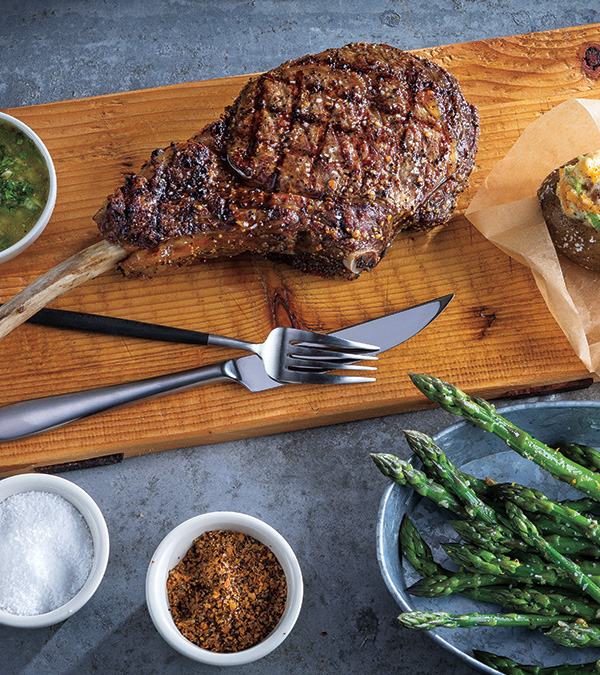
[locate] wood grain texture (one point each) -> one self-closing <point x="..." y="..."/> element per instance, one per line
<point x="496" y="337"/>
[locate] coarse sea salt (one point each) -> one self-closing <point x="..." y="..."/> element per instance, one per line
<point x="46" y="552"/>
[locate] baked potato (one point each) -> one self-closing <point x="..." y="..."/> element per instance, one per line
<point x="570" y="202"/>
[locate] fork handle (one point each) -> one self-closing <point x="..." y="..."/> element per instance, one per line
<point x="110" y="325"/>
<point x="26" y="418"/>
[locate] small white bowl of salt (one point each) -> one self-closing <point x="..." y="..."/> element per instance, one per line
<point x="53" y="549"/>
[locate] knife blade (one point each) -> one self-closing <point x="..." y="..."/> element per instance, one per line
<point x="26" y="418"/>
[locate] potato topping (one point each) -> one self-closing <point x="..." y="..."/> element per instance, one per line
<point x="578" y="189"/>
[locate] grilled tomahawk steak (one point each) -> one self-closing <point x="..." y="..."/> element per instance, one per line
<point x="319" y="162"/>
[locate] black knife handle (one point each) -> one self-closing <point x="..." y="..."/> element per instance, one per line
<point x="110" y="325"/>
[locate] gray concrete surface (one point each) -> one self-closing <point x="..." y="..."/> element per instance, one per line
<point x="317" y="487"/>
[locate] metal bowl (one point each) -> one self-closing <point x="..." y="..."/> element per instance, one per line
<point x="483" y="454"/>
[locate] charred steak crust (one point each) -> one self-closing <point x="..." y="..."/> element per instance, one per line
<point x="319" y="162"/>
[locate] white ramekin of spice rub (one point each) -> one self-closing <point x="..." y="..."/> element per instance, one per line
<point x="27" y="186"/>
<point x="54" y="548"/>
<point x="224" y="588"/>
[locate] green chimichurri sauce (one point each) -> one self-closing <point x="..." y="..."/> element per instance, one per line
<point x="24" y="184"/>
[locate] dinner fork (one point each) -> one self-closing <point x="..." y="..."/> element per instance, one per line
<point x="289" y="355"/>
<point x="18" y="420"/>
<point x="25" y="418"/>
<point x="293" y="355"/>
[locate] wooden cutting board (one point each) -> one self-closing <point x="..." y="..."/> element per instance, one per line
<point x="496" y="338"/>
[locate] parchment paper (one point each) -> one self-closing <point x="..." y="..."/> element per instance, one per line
<point x="506" y="211"/>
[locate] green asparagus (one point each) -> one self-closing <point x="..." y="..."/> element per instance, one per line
<point x="567" y="594"/>
<point x="404" y="473"/>
<point x="551" y="526"/>
<point x="590" y="567"/>
<point x="448" y="475"/>
<point x="480" y="485"/>
<point x="429" y="620"/>
<point x="506" y="665"/>
<point x="575" y="634"/>
<point x="582" y="454"/>
<point x="575" y="546"/>
<point x="530" y="535"/>
<point x="527" y="571"/>
<point x="436" y="586"/>
<point x="484" y="415"/>
<point x="495" y="538"/>
<point x="484" y="488"/>
<point x="541" y="600"/>
<point x="582" y="505"/>
<point x="415" y="550"/>
<point x="529" y="601"/>
<point x="536" y="502"/>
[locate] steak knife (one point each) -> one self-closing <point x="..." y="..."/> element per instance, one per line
<point x="26" y="418"/>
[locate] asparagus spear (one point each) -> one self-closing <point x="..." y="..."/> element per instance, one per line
<point x="575" y="634"/>
<point x="590" y="568"/>
<point x="530" y="535"/>
<point x="404" y="473"/>
<point x="482" y="560"/>
<point x="550" y="526"/>
<point x="571" y="545"/>
<point x="484" y="488"/>
<point x="530" y="571"/>
<point x="471" y="556"/>
<point x="484" y="415"/>
<point x="481" y="486"/>
<point x="506" y="665"/>
<point x="494" y="538"/>
<point x="582" y="454"/>
<point x="448" y="475"/>
<point x="436" y="586"/>
<point x="582" y="505"/>
<point x="543" y="601"/>
<point x="529" y="601"/>
<point x="537" y="502"/>
<point x="416" y="551"/>
<point x="429" y="620"/>
<point x="498" y="540"/>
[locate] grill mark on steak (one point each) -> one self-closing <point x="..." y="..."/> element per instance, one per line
<point x="320" y="162"/>
<point x="286" y="130"/>
<point x="295" y="86"/>
<point x="259" y="105"/>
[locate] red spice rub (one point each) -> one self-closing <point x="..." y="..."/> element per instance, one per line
<point x="228" y="592"/>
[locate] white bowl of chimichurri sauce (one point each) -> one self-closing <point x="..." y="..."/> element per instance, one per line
<point x="27" y="186"/>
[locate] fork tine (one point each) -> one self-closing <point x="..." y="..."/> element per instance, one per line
<point x="299" y="351"/>
<point x="322" y="365"/>
<point x="352" y="366"/>
<point x="297" y="335"/>
<point x="329" y="378"/>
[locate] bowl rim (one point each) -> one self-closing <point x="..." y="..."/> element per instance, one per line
<point x="26" y="241"/>
<point x="175" y="545"/>
<point x="94" y="518"/>
<point x="391" y="585"/>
